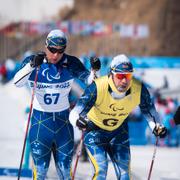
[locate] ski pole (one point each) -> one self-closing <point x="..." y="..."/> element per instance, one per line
<point x="28" y="122"/>
<point x="153" y="158"/>
<point x="78" y="154"/>
<point x="116" y="168"/>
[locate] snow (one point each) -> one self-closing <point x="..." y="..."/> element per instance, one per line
<point x="155" y="77"/>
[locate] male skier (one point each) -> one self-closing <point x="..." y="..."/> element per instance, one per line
<point x="50" y="129"/>
<point x="102" y="113"/>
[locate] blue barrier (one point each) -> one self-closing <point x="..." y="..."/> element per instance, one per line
<point x="155" y="62"/>
<point x="14" y="172"/>
<point x="137" y="61"/>
<point x="137" y="132"/>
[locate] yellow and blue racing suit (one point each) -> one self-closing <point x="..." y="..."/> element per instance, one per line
<point x="107" y="132"/>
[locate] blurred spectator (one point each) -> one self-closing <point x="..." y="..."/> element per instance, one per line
<point x="10" y="66"/>
<point x="172" y="138"/>
<point x="3" y="73"/>
<point x="161" y="105"/>
<point x="177" y="116"/>
<point x="166" y="109"/>
<point x="8" y="70"/>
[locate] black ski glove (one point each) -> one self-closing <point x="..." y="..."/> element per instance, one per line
<point x="95" y="63"/>
<point x="82" y="123"/>
<point x="160" y="131"/>
<point x="37" y="60"/>
<point x="177" y="116"/>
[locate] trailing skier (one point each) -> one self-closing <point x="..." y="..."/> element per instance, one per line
<point x="107" y="103"/>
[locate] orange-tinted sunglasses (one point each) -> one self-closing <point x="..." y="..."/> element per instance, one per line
<point x="121" y="76"/>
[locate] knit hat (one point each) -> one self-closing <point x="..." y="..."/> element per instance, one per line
<point x="121" y="64"/>
<point x="56" y="38"/>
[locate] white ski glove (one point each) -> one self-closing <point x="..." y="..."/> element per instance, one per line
<point x="73" y="117"/>
<point x="158" y="129"/>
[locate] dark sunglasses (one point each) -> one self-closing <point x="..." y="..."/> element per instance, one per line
<point x="55" y="50"/>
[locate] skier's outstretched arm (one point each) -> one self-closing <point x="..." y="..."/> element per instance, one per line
<point x="27" y="66"/>
<point x="80" y="72"/>
<point x="22" y="75"/>
<point x="149" y="111"/>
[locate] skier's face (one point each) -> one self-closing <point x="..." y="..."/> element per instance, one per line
<point x="54" y="53"/>
<point x="122" y="81"/>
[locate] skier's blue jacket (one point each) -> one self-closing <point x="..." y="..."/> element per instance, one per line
<point x="54" y="82"/>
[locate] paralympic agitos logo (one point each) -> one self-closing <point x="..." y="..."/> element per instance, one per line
<point x="50" y="77"/>
<point x="114" y="108"/>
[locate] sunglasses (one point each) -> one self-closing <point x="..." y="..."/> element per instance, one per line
<point x="55" y="50"/>
<point x="121" y="76"/>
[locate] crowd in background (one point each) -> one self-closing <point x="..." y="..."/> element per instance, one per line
<point x="165" y="106"/>
<point x="82" y="28"/>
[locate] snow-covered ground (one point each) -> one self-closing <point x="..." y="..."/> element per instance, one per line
<point x="156" y="77"/>
<point x="12" y="106"/>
